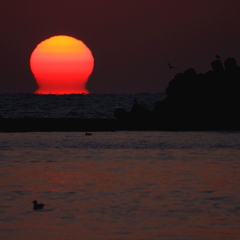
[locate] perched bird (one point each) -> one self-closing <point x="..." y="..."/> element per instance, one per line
<point x="217" y="57"/>
<point x="171" y="67"/>
<point x="37" y="206"/>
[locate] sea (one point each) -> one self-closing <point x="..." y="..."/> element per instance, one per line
<point x="72" y="105"/>
<point x="134" y="185"/>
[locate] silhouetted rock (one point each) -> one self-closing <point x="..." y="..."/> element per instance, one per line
<point x="217" y="66"/>
<point x="137" y="118"/>
<point x="138" y="111"/>
<point x="194" y="101"/>
<point x="120" y="114"/>
<point x="230" y="64"/>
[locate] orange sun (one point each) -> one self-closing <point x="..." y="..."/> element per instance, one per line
<point x="61" y="65"/>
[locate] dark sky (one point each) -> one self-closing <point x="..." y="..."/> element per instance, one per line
<point x="131" y="40"/>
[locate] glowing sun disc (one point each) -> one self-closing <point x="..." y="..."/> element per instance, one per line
<point x="61" y="65"/>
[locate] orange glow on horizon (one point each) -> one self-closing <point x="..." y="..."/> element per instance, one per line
<point x="61" y="65"/>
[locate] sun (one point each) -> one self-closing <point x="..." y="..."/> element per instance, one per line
<point x="61" y="65"/>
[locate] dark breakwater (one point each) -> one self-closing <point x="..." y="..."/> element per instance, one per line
<point x="195" y="101"/>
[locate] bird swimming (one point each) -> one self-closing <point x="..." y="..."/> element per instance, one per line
<point x="88" y="134"/>
<point x="37" y="206"/>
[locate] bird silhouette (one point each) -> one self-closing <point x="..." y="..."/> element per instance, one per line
<point x="88" y="134"/>
<point x="171" y="67"/>
<point x="217" y="56"/>
<point x="37" y="206"/>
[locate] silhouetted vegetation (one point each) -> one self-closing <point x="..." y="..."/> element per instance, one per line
<point x="194" y="101"/>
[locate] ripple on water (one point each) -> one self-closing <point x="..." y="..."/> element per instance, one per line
<point x="131" y="188"/>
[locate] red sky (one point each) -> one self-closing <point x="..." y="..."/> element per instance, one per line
<point x="131" y="40"/>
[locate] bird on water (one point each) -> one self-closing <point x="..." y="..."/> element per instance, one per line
<point x="37" y="206"/>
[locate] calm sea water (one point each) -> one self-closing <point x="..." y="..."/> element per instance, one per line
<point x="73" y="105"/>
<point x="120" y="185"/>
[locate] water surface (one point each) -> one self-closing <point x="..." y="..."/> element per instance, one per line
<point x="120" y="185"/>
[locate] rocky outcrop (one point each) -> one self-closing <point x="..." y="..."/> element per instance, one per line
<point x="195" y="101"/>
